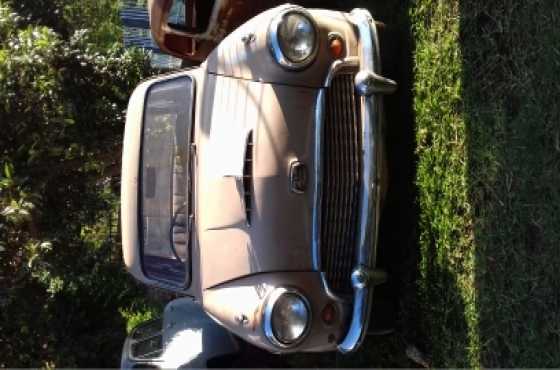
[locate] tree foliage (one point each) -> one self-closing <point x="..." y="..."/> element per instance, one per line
<point x="64" y="87"/>
<point x="65" y="17"/>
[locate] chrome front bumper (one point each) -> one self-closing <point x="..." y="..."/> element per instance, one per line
<point x="370" y="86"/>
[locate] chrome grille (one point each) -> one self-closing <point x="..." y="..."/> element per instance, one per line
<point x="341" y="181"/>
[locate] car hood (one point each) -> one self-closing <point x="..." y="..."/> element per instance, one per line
<point x="248" y="220"/>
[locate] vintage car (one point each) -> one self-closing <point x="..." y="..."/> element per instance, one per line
<point x="253" y="184"/>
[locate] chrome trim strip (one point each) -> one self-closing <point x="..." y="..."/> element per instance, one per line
<point x="370" y="187"/>
<point x="318" y="181"/>
<point x="267" y="316"/>
<point x="337" y="65"/>
<point x="274" y="43"/>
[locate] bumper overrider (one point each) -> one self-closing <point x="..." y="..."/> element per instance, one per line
<point x="370" y="86"/>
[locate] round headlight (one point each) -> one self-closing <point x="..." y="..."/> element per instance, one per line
<point x="287" y="317"/>
<point x="293" y="39"/>
<point x="297" y="37"/>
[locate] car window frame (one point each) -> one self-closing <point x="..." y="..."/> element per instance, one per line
<point x="167" y="283"/>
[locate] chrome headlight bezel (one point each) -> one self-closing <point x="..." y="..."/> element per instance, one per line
<point x="275" y="45"/>
<point x="270" y="303"/>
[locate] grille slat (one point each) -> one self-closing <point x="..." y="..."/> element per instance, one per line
<point x="346" y="195"/>
<point x="341" y="158"/>
<point x="338" y="160"/>
<point x="338" y="175"/>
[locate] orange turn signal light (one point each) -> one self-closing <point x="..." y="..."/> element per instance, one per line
<point x="328" y="315"/>
<point x="336" y="46"/>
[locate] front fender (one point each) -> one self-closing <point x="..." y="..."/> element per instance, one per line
<point x="239" y="305"/>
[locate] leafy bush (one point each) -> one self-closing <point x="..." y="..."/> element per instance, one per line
<point x="63" y="96"/>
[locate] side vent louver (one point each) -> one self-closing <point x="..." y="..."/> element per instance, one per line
<point x="248" y="178"/>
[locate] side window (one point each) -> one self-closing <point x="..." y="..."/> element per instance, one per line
<point x="177" y="17"/>
<point x="191" y="16"/>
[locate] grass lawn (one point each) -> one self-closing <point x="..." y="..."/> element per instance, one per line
<point x="474" y="214"/>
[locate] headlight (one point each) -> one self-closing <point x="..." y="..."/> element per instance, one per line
<point x="293" y="38"/>
<point x="286" y="317"/>
<point x="296" y="35"/>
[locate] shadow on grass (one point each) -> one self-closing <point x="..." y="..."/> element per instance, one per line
<point x="510" y="55"/>
<point x="488" y="143"/>
<point x="424" y="235"/>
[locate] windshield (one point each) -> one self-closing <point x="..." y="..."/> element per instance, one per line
<point x="164" y="186"/>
